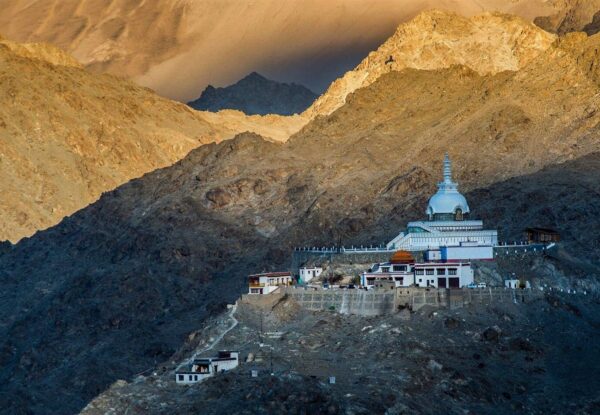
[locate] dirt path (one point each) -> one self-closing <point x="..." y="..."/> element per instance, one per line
<point x="215" y="341"/>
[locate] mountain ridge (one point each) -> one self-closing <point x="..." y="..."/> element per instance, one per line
<point x="486" y="43"/>
<point x="67" y="135"/>
<point x="256" y="95"/>
<point x="163" y="44"/>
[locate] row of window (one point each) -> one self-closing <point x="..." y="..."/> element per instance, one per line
<point x="190" y="378"/>
<point x="432" y="271"/>
<point x="278" y="281"/>
<point x="395" y="268"/>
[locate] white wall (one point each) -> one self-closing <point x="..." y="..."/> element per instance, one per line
<point x="453" y="253"/>
<point x="307" y="274"/>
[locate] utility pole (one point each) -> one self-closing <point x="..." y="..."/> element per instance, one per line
<point x="260" y="334"/>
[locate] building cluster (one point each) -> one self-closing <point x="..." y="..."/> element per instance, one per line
<point x="446" y="242"/>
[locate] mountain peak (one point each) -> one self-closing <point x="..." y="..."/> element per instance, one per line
<point x="255" y="94"/>
<point x="254" y="76"/>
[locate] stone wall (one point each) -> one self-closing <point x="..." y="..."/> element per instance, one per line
<point x="377" y="302"/>
<point x="359" y="302"/>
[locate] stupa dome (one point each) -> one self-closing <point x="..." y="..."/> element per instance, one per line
<point x="448" y="203"/>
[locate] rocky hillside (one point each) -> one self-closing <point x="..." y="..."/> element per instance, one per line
<point x="572" y="16"/>
<point x="67" y="135"/>
<point x="255" y="94"/>
<point x="487" y="44"/>
<point x="178" y="47"/>
<point x="503" y="359"/>
<point x="114" y="289"/>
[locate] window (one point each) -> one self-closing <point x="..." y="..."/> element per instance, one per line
<point x="181" y="377"/>
<point x="441" y="271"/>
<point x="419" y="272"/>
<point x="429" y="271"/>
<point x="190" y="377"/>
<point x="196" y="377"/>
<point x="385" y="269"/>
<point x="452" y="271"/>
<point x="399" y="267"/>
<point x="420" y="279"/>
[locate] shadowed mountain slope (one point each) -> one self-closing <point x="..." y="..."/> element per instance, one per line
<point x="114" y="289"/>
<point x="255" y="94"/>
<point x="572" y="16"/>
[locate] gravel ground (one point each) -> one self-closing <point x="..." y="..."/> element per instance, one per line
<point x="525" y="358"/>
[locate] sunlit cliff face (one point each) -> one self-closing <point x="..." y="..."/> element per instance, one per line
<point x="177" y="47"/>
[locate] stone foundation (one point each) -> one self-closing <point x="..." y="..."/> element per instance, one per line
<point x="378" y="302"/>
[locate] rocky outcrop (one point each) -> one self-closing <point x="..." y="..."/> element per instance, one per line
<point x="254" y="95"/>
<point x="487" y="44"/>
<point x="571" y="16"/>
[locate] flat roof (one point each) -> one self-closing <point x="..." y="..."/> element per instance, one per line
<point x="203" y="360"/>
<point x="547" y="230"/>
<point x="272" y="274"/>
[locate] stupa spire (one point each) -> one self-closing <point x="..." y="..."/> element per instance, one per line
<point x="447" y="169"/>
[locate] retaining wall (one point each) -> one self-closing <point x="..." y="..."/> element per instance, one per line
<point x="379" y="301"/>
<point x="359" y="302"/>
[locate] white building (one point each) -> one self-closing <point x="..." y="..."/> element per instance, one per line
<point x="404" y="271"/>
<point x="268" y="282"/>
<point x="208" y="367"/>
<point x="443" y="274"/>
<point x="447" y="223"/>
<point x="308" y="273"/>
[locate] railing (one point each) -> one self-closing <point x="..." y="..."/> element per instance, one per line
<point x="384" y="249"/>
<point x="334" y="250"/>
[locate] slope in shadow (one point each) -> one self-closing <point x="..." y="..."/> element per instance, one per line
<point x="114" y="289"/>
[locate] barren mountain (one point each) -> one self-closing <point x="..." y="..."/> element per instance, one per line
<point x="69" y="142"/>
<point x="114" y="289"/>
<point x="488" y="44"/>
<point x="66" y="135"/>
<point x="254" y="94"/>
<point x="178" y="47"/>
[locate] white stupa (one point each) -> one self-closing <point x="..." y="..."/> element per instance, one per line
<point x="447" y="221"/>
<point x="447" y="203"/>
